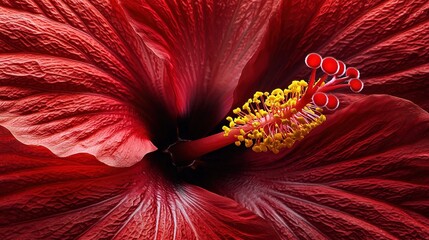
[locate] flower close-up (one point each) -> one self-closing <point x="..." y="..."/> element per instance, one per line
<point x="180" y="119"/>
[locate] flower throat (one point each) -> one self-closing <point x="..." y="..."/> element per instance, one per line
<point x="276" y="120"/>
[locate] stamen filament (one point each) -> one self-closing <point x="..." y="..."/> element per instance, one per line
<point x="332" y="88"/>
<point x="320" y="82"/>
<point x="276" y="120"/>
<point x="312" y="77"/>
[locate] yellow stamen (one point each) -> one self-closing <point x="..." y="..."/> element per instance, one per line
<point x="273" y="121"/>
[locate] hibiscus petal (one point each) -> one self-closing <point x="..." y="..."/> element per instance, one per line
<point x="47" y="197"/>
<point x="362" y="174"/>
<point x="75" y="77"/>
<point x="208" y="43"/>
<point x="386" y="40"/>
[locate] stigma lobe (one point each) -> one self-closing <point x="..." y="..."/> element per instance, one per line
<point x="276" y="120"/>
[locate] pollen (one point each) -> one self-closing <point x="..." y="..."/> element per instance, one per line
<point x="272" y="121"/>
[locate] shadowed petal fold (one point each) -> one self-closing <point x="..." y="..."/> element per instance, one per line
<point x="75" y="77"/>
<point x="362" y="174"/>
<point x="47" y="197"/>
<point x="385" y="39"/>
<point x="208" y="43"/>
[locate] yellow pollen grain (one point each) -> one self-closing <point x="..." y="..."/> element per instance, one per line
<point x="271" y="122"/>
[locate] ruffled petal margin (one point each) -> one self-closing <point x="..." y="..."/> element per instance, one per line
<point x="361" y="175"/>
<point x="76" y="78"/>
<point x="46" y="197"/>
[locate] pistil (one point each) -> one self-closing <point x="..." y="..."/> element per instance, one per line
<point x="271" y="121"/>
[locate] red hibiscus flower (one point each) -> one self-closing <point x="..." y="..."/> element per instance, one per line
<point x="93" y="95"/>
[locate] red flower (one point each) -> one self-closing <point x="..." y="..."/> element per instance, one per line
<point x="110" y="82"/>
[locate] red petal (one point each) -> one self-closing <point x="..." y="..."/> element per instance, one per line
<point x="385" y="40"/>
<point x="362" y="174"/>
<point x="72" y="79"/>
<point x="44" y="196"/>
<point x="208" y="45"/>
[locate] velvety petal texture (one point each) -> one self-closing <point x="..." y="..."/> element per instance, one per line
<point x="208" y="43"/>
<point x="385" y="39"/>
<point x="363" y="174"/>
<point x="46" y="197"/>
<point x="75" y="77"/>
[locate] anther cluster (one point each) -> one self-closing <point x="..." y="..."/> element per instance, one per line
<point x="276" y="120"/>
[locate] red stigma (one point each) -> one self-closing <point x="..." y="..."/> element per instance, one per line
<point x="313" y="60"/>
<point x="320" y="99"/>
<point x="352" y="73"/>
<point x="333" y="102"/>
<point x="342" y="70"/>
<point x="317" y="88"/>
<point x="330" y="65"/>
<point x="356" y="85"/>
